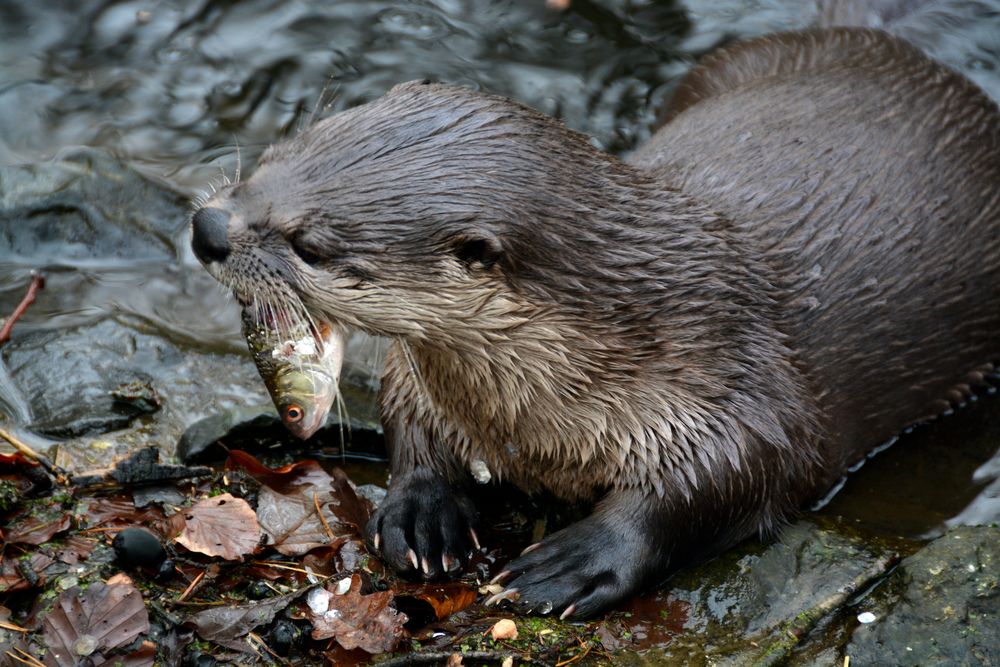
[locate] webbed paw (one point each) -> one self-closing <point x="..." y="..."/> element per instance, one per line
<point x="423" y="527"/>
<point x="579" y="571"/>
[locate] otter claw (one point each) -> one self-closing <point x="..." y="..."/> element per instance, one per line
<point x="377" y="540"/>
<point x="500" y="577"/>
<point x="567" y="612"/>
<point x="475" y="539"/>
<point x="510" y="595"/>
<point x="425" y="566"/>
<point x="411" y="556"/>
<point x="449" y="563"/>
<point x="531" y="547"/>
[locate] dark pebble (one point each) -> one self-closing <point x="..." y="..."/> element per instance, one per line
<point x="136" y="547"/>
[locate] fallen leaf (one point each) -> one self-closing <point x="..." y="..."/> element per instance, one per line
<point x="288" y="500"/>
<point x="74" y="549"/>
<point x="504" y="629"/>
<point x="105" y="617"/>
<point x="305" y="478"/>
<point x="223" y="526"/>
<point x="355" y="620"/>
<point x="37" y="530"/>
<point x="227" y="625"/>
<point x="93" y="512"/>
<point x="445" y="598"/>
<point x="14" y="570"/>
<point x="291" y="523"/>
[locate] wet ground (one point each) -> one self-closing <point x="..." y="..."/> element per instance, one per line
<point x="171" y="89"/>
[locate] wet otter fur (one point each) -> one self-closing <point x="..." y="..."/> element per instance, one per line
<point x="803" y="261"/>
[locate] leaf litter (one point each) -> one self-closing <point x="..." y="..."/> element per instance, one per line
<point x="261" y="563"/>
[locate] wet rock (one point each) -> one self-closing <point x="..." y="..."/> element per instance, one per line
<point x="70" y="377"/>
<point x="72" y="381"/>
<point x="258" y="427"/>
<point x="86" y="205"/>
<point x="941" y="607"/>
<point x="737" y="608"/>
<point x="240" y="424"/>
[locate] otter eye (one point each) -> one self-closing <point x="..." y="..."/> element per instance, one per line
<point x="484" y="251"/>
<point x="292" y="414"/>
<point x="306" y="255"/>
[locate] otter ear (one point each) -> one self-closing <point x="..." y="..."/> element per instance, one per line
<point x="478" y="249"/>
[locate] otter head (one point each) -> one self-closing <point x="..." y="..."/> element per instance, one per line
<point x="415" y="217"/>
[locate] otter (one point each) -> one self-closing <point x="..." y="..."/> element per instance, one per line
<point x="699" y="339"/>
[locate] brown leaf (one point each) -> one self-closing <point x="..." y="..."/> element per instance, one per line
<point x="504" y="629"/>
<point x="354" y="620"/>
<point x="74" y="549"/>
<point x="291" y="523"/>
<point x="288" y="500"/>
<point x="223" y="526"/>
<point x="227" y="625"/>
<point x="36" y="530"/>
<point x="306" y="477"/>
<point x="101" y="619"/>
<point x="14" y="571"/>
<point x="445" y="598"/>
<point x="94" y="512"/>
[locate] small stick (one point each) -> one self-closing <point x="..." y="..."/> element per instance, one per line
<point x="28" y="659"/>
<point x="52" y="469"/>
<point x="191" y="586"/>
<point x="319" y="510"/>
<point x="10" y="626"/>
<point x="37" y="283"/>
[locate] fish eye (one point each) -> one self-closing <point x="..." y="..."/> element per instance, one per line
<point x="292" y="413"/>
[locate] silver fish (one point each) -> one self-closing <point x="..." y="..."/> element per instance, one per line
<point x="300" y="365"/>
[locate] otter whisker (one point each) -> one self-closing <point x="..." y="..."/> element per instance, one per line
<point x="239" y="160"/>
<point x="411" y="362"/>
<point x="319" y="102"/>
<point x="343" y="417"/>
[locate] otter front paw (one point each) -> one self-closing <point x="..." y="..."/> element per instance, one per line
<point x="422" y="526"/>
<point x="579" y="571"/>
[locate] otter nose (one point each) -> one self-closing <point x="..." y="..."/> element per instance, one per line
<point x="208" y="235"/>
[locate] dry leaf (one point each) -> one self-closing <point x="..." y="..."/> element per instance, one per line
<point x="288" y="499"/>
<point x="445" y="598"/>
<point x="223" y="526"/>
<point x="90" y="625"/>
<point x="35" y="530"/>
<point x="227" y="625"/>
<point x="13" y="571"/>
<point x="354" y="620"/>
<point x="504" y="629"/>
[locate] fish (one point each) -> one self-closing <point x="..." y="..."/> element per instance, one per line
<point x="300" y="365"/>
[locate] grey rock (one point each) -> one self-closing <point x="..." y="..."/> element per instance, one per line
<point x="943" y="607"/>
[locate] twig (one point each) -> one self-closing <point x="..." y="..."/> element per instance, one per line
<point x="10" y="626"/>
<point x="793" y="631"/>
<point x="37" y="283"/>
<point x="319" y="511"/>
<point x="578" y="656"/>
<point x="194" y="584"/>
<point x="28" y="659"/>
<point x="50" y="467"/>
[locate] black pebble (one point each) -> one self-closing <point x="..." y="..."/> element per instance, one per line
<point x="135" y="547"/>
<point x="258" y="590"/>
<point x="283" y="636"/>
